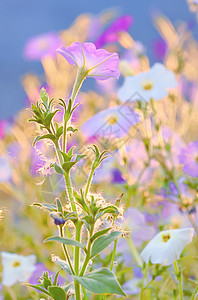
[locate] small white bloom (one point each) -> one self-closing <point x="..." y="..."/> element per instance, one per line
<point x="17" y="268"/>
<point x="153" y="84"/>
<point x="167" y="246"/>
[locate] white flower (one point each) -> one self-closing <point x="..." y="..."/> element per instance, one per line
<point x="167" y="246"/>
<point x="153" y="84"/>
<point x="16" y="268"/>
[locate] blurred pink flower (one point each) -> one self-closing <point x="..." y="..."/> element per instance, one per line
<point x="111" y="34"/>
<point x="159" y="48"/>
<point x="96" y="63"/>
<point x="39" y="46"/>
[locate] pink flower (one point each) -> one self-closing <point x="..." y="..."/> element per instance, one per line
<point x="96" y="63"/>
<point x="111" y="34"/>
<point x="41" y="45"/>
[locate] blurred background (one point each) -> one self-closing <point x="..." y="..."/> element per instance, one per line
<point x="21" y="20"/>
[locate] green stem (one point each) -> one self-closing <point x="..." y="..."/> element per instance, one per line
<point x="88" y="253"/>
<point x="179" y="277"/>
<point x="77" y="260"/>
<point x="142" y="284"/>
<point x="89" y="181"/>
<point x="134" y="252"/>
<point x="194" y="294"/>
<point x="77" y="85"/>
<point x="113" y="254"/>
<point x="66" y="251"/>
<point x="70" y="191"/>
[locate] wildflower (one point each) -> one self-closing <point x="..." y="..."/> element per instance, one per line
<point x="137" y="161"/>
<point x="42" y="45"/>
<point x="159" y="48"/>
<point x="167" y="246"/>
<point x="135" y="222"/>
<point x="107" y="172"/>
<point x="16" y="268"/>
<point x="111" y="34"/>
<point x="57" y="219"/>
<point x="189" y="159"/>
<point x="153" y="84"/>
<point x="92" y="62"/>
<point x="113" y="122"/>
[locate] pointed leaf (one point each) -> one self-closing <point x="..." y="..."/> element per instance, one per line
<point x="46" y="136"/>
<point x="39" y="288"/>
<point x="101" y="281"/>
<point x="99" y="233"/>
<point x="68" y="165"/>
<point x="57" y="293"/>
<point x="103" y="242"/>
<point x="65" y="241"/>
<point x="58" y="168"/>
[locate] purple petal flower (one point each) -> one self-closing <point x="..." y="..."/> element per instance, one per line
<point x="111" y="34"/>
<point x="140" y="230"/>
<point x="38" y="272"/>
<point x="57" y="219"/>
<point x="42" y="45"/>
<point x="98" y="64"/>
<point x="159" y="48"/>
<point x="189" y="159"/>
<point x="111" y="123"/>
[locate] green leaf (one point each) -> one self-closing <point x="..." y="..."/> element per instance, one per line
<point x="56" y="277"/>
<point x="59" y="205"/>
<point x="58" y="168"/>
<point x="44" y="96"/>
<point x="57" y="293"/>
<point x="103" y="242"/>
<point x="59" y="132"/>
<point x="48" y="206"/>
<point x="65" y="241"/>
<point x="99" y="233"/>
<point x="70" y="128"/>
<point x="68" y="165"/>
<point x="39" y="288"/>
<point x="46" y="136"/>
<point x="101" y="281"/>
<point x="49" y="117"/>
<point x="79" y="157"/>
<point x="67" y="287"/>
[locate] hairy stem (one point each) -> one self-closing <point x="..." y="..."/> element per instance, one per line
<point x="179" y="277"/>
<point x="66" y="251"/>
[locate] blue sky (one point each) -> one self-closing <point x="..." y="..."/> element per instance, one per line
<point x="21" y="19"/>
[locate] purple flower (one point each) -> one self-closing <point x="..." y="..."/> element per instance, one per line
<point x="111" y="34"/>
<point x="136" y="222"/>
<point x="98" y="64"/>
<point x="110" y="123"/>
<point x="159" y="48"/>
<point x="42" y="45"/>
<point x="189" y="159"/>
<point x="107" y="172"/>
<point x="136" y="160"/>
<point x="57" y="219"/>
<point x="38" y="272"/>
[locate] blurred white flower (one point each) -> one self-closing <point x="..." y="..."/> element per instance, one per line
<point x="152" y="84"/>
<point x="167" y="246"/>
<point x="5" y="169"/>
<point x="16" y="268"/>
